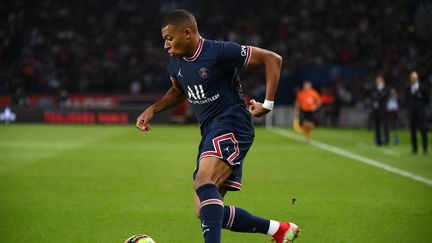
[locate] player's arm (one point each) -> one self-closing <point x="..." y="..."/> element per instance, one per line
<point x="172" y="97"/>
<point x="272" y="63"/>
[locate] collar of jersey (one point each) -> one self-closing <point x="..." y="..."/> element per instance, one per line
<point x="197" y="52"/>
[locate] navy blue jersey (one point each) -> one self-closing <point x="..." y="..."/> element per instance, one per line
<point x="210" y="79"/>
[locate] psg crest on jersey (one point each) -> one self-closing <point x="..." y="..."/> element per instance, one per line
<point x="204" y="72"/>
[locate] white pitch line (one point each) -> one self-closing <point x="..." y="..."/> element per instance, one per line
<point x="383" y="150"/>
<point x="356" y="157"/>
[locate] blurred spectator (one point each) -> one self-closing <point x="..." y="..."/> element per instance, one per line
<point x="328" y="109"/>
<point x="135" y="87"/>
<point x="63" y="97"/>
<point x="20" y="98"/>
<point x="380" y="96"/>
<point x="343" y="95"/>
<point x="101" y="46"/>
<point x="417" y="97"/>
<point x="393" y="113"/>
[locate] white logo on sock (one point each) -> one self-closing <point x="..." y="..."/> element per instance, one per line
<point x="204" y="227"/>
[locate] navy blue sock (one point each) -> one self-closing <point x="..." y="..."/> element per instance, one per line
<point x="211" y="212"/>
<point x="240" y="220"/>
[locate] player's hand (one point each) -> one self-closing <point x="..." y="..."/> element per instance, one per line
<point x="256" y="109"/>
<point x="143" y="120"/>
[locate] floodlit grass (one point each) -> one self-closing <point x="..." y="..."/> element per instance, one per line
<point x="105" y="183"/>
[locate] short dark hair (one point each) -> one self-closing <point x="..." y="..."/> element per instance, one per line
<point x="178" y="16"/>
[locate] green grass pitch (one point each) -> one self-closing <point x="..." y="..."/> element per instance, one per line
<point x="67" y="183"/>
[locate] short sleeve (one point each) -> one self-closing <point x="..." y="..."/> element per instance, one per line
<point x="234" y="55"/>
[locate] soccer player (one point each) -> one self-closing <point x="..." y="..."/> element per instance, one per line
<point x="307" y="102"/>
<point x="206" y="73"/>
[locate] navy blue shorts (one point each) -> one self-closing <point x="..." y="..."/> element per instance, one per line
<point x="228" y="145"/>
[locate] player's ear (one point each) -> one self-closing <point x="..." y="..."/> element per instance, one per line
<point x="188" y="33"/>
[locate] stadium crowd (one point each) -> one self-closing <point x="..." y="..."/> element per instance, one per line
<point x="115" y="45"/>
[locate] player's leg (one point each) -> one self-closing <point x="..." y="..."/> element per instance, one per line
<point x="303" y="124"/>
<point x="214" y="217"/>
<point x="219" y="165"/>
<point x="307" y="127"/>
<point x="222" y="191"/>
<point x="239" y="220"/>
<point x="308" y="124"/>
<point x="210" y="176"/>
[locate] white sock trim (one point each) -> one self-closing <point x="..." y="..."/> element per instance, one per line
<point x="273" y="227"/>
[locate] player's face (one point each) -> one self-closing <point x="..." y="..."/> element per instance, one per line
<point x="176" y="40"/>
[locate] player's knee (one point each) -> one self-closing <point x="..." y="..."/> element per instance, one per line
<point x="212" y="173"/>
<point x="204" y="177"/>
<point x="202" y="180"/>
<point x="308" y="125"/>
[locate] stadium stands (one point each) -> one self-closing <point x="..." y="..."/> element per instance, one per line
<point x="115" y="46"/>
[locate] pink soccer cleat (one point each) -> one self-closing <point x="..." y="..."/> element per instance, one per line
<point x="286" y="233"/>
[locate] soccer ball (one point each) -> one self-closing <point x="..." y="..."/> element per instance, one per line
<point x="140" y="239"/>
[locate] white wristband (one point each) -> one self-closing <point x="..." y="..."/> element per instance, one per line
<point x="268" y="104"/>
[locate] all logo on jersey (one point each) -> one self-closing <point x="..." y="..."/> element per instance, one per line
<point x="198" y="96"/>
<point x="196" y="92"/>
<point x="204" y="72"/>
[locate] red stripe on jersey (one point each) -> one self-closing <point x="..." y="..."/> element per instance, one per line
<point x="248" y="56"/>
<point x="197" y="52"/>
